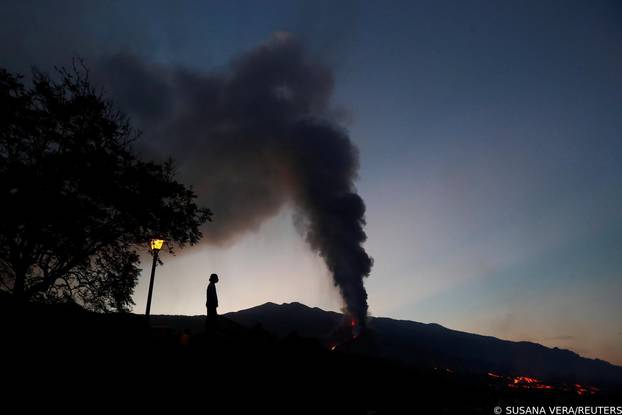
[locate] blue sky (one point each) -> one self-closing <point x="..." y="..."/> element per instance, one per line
<point x="489" y="137"/>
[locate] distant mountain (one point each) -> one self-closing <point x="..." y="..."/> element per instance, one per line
<point x="436" y="346"/>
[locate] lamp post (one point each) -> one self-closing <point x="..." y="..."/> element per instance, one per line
<point x="155" y="245"/>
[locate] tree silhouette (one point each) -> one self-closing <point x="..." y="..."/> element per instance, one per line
<point x="77" y="202"/>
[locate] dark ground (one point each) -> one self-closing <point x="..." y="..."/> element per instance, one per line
<point x="64" y="358"/>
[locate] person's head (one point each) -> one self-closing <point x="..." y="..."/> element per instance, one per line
<point x="213" y="278"/>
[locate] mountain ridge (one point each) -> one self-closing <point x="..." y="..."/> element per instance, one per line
<point x="431" y="325"/>
<point x="433" y="345"/>
<point x="271" y="306"/>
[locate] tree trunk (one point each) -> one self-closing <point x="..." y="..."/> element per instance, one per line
<point x="20" y="268"/>
<point x="19" y="285"/>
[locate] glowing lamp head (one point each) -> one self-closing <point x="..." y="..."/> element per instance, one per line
<point x="156" y="244"/>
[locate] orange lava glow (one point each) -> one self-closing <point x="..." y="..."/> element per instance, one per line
<point x="585" y="390"/>
<point x="528" y="382"/>
<point x="525" y="379"/>
<point x="355" y="333"/>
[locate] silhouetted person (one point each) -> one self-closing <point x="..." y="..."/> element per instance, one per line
<point x="212" y="302"/>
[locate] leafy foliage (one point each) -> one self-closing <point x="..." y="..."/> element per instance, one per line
<point x="77" y="202"/>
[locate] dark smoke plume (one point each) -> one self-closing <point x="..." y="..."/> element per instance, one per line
<point x="259" y="136"/>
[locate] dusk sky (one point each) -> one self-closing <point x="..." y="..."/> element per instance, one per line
<point x="490" y="153"/>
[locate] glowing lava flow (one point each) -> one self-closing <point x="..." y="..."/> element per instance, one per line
<point x="344" y="337"/>
<point x="522" y="382"/>
<point x="527" y="382"/>
<point x="585" y="390"/>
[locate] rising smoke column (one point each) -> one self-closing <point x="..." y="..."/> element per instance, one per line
<point x="260" y="135"/>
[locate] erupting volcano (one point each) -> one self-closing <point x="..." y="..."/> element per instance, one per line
<point x="356" y="328"/>
<point x="259" y="136"/>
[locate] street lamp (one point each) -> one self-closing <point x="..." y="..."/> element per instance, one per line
<point x="155" y="245"/>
